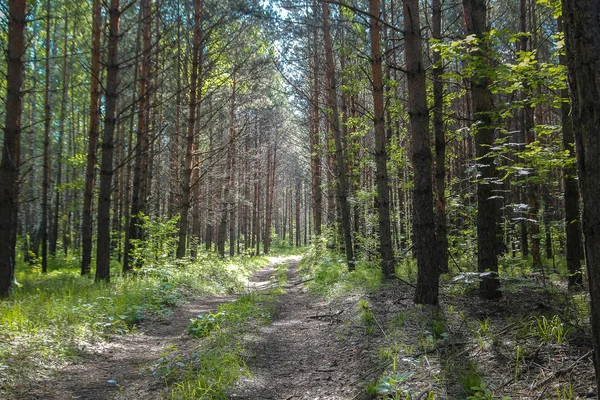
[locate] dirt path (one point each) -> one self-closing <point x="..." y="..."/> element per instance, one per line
<point x="122" y="368"/>
<point x="311" y="350"/>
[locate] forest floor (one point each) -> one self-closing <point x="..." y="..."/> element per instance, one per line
<point x="305" y="353"/>
<point x="359" y="344"/>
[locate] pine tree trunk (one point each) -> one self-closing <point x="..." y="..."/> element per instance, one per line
<point x="315" y="137"/>
<point x="582" y="30"/>
<point x="382" y="201"/>
<point x="571" y="195"/>
<point x="11" y="149"/>
<point x="423" y="217"/>
<point x="184" y="206"/>
<point x="440" y="142"/>
<point x="339" y="149"/>
<point x="94" y="131"/>
<point x="481" y="97"/>
<point x="106" y="166"/>
<point x="46" y="162"/>
<point x="139" y="184"/>
<point x="53" y="235"/>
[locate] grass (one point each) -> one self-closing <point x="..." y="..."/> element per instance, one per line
<point x="60" y="314"/>
<point x="219" y="362"/>
<point x="466" y="347"/>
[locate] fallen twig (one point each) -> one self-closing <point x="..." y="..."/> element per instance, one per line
<point x="325" y="315"/>
<point x="304" y="281"/>
<point x="423" y="393"/>
<point x="561" y="372"/>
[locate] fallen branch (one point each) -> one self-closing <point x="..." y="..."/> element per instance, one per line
<point x="562" y="372"/>
<point x="325" y="315"/>
<point x="304" y="281"/>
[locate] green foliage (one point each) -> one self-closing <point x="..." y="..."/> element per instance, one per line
<point x="57" y="315"/>
<point x="330" y="276"/>
<point x="550" y="331"/>
<point x="482" y="392"/>
<point x="219" y="361"/>
<point x="159" y="242"/>
<point x="204" y="324"/>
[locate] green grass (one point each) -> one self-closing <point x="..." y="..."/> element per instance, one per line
<point x="219" y="362"/>
<point x="60" y="314"/>
<point x="330" y="277"/>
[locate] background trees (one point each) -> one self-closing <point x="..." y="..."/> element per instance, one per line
<point x="257" y="126"/>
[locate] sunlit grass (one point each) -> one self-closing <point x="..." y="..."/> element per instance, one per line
<point x="59" y="314"/>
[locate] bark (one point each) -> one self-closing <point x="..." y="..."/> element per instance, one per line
<point x="184" y="206"/>
<point x="298" y="191"/>
<point x="94" y="129"/>
<point x="139" y="185"/>
<point x="11" y="149"/>
<point x="339" y="149"/>
<point x="423" y="216"/>
<point x="226" y="202"/>
<point x="571" y="195"/>
<point x="440" y="142"/>
<point x="382" y="201"/>
<point x="46" y="162"/>
<point x="106" y="166"/>
<point x="315" y="138"/>
<point x="582" y="30"/>
<point x="53" y="235"/>
<point x="481" y="98"/>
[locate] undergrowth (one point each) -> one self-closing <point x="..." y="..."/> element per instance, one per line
<point x="219" y="361"/>
<point x="466" y="348"/>
<point x="327" y="273"/>
<point x="59" y="314"/>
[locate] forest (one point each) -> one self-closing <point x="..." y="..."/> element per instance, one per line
<point x="300" y="199"/>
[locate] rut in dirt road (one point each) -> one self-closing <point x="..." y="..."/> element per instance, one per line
<point x="307" y="352"/>
<point x="122" y="368"/>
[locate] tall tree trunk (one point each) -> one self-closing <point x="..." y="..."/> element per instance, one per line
<point x="90" y="173"/>
<point x="481" y="97"/>
<point x="315" y="133"/>
<point x="382" y="201"/>
<point x="139" y="185"/>
<point x="582" y="30"/>
<point x="184" y="206"/>
<point x="571" y="195"/>
<point x="226" y="202"/>
<point x="106" y="166"/>
<point x="423" y="217"/>
<point x="11" y="149"/>
<point x="53" y="235"/>
<point x="440" y="141"/>
<point x="298" y="191"/>
<point x="46" y="166"/>
<point x="339" y="149"/>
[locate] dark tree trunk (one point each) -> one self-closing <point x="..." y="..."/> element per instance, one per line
<point x="339" y="149"/>
<point x="582" y="30"/>
<point x="11" y="149"/>
<point x="382" y="200"/>
<point x="440" y="141"/>
<point x="94" y="128"/>
<point x="481" y="97"/>
<point x="184" y="206"/>
<point x="315" y="137"/>
<point x="571" y="195"/>
<point x="46" y="162"/>
<point x="106" y="167"/>
<point x="298" y="191"/>
<point x="423" y="216"/>
<point x="53" y="235"/>
<point x="139" y="185"/>
<point x="226" y="202"/>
